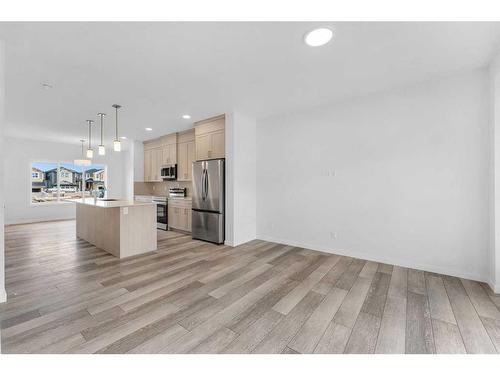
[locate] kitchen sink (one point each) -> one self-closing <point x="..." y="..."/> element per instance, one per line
<point x="108" y="199"/>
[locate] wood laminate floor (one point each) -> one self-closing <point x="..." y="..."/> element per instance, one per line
<point x="66" y="296"/>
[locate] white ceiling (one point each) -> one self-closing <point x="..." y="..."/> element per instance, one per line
<point x="160" y="71"/>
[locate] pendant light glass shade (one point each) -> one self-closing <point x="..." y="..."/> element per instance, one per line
<point x="117" y="146"/>
<point x="82" y="162"/>
<point x="90" y="152"/>
<point x="101" y="148"/>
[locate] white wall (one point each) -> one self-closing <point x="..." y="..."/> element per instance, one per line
<point x="241" y="214"/>
<point x="495" y="170"/>
<point x="3" y="294"/>
<point x="138" y="161"/>
<point x="19" y="153"/>
<point x="401" y="177"/>
<point x="127" y="169"/>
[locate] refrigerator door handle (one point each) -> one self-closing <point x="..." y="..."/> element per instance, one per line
<point x="206" y="184"/>
<point x="203" y="178"/>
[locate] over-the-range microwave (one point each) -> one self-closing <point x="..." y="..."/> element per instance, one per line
<point x="169" y="172"/>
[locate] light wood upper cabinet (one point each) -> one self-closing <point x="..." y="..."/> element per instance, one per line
<point x="148" y="157"/>
<point x="210" y="138"/>
<point x="185" y="155"/>
<point x="217" y="150"/>
<point x="158" y="153"/>
<point x="203" y="145"/>
<point x="169" y="149"/>
<point x="157" y="163"/>
<point x="206" y="141"/>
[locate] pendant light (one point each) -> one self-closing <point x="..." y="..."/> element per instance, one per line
<point x="90" y="152"/>
<point x="102" y="149"/>
<point x="117" y="146"/>
<point x="82" y="162"/>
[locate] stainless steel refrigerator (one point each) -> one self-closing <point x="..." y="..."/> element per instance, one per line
<point x="208" y="201"/>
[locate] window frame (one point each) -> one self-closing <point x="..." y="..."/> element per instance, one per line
<point x="58" y="164"/>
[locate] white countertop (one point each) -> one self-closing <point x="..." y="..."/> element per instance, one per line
<point x="164" y="197"/>
<point x="110" y="204"/>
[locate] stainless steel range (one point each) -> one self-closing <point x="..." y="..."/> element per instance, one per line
<point x="161" y="212"/>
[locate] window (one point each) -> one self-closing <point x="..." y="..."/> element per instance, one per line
<point x="56" y="182"/>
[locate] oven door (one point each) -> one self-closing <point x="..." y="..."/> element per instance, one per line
<point x="161" y="216"/>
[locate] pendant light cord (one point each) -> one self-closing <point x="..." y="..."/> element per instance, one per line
<point x="101" y="115"/>
<point x="90" y="133"/>
<point x="116" y="122"/>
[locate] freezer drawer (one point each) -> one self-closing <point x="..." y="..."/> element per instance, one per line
<point x="207" y="226"/>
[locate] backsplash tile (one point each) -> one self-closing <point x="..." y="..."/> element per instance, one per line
<point x="159" y="188"/>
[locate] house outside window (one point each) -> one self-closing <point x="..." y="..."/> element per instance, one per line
<point x="56" y="182"/>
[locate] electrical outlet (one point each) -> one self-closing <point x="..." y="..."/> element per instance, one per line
<point x="333" y="235"/>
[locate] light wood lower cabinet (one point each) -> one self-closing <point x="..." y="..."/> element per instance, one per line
<point x="179" y="215"/>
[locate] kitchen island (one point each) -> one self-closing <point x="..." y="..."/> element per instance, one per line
<point x="121" y="227"/>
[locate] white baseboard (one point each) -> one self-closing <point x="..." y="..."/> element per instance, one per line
<point x="393" y="261"/>
<point x="34" y="221"/>
<point x="494" y="287"/>
<point x="3" y="296"/>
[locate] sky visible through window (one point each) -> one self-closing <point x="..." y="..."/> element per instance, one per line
<point x="44" y="167"/>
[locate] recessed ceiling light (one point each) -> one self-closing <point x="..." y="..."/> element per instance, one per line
<point x="148" y="129"/>
<point x="123" y="137"/>
<point x="187" y="117"/>
<point x="318" y="37"/>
